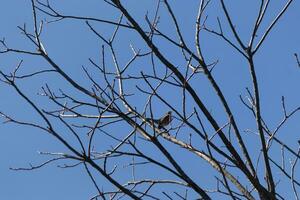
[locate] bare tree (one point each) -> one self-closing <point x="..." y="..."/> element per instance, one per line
<point x="151" y="112"/>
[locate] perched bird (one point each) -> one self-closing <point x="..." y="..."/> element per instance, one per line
<point x="163" y="121"/>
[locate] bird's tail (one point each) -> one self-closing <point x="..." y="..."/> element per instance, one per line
<point x="156" y="121"/>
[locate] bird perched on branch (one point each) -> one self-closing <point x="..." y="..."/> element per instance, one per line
<point x="163" y="121"/>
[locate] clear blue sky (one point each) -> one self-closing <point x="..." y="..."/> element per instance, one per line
<point x="70" y="44"/>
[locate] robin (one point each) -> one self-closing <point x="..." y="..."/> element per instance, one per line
<point x="163" y="121"/>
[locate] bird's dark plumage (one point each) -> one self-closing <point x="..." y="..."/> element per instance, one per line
<point x="165" y="120"/>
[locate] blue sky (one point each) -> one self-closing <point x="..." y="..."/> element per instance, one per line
<point x="71" y="44"/>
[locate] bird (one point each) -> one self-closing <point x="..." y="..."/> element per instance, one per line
<point x="163" y="121"/>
